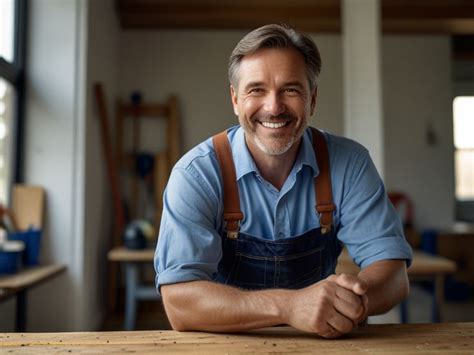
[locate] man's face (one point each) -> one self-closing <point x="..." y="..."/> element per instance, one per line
<point x="273" y="99"/>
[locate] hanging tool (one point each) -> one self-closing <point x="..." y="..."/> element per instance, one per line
<point x="112" y="175"/>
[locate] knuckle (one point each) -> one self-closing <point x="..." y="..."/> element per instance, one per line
<point x="346" y="278"/>
<point x="324" y="293"/>
<point x="328" y="288"/>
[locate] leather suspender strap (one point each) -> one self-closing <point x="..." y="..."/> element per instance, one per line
<point x="322" y="183"/>
<point x="232" y="213"/>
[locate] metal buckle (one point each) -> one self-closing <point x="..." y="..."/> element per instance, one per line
<point x="325" y="228"/>
<point x="232" y="234"/>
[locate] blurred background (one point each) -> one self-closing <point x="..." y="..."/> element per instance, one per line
<point x="398" y="76"/>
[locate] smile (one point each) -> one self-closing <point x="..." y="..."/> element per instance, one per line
<point x="274" y="124"/>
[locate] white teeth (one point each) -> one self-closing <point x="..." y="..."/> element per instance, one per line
<point x="273" y="125"/>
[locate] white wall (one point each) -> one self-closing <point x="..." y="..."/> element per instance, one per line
<point x="193" y="65"/>
<point x="71" y="44"/>
<point x="418" y="93"/>
<point x="416" y="90"/>
<point x="54" y="153"/>
<point x="102" y="66"/>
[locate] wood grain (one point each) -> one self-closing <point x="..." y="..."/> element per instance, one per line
<point x="442" y="338"/>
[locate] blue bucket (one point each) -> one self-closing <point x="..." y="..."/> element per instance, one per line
<point x="32" y="240"/>
<point x="10" y="256"/>
<point x="429" y="241"/>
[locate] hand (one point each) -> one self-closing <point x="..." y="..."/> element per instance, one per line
<point x="358" y="287"/>
<point x="331" y="307"/>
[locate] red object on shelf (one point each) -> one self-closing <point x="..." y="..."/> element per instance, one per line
<point x="402" y="202"/>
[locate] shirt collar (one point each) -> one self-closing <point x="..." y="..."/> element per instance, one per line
<point x="244" y="163"/>
<point x="306" y="154"/>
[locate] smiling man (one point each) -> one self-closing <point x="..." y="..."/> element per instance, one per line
<point x="255" y="217"/>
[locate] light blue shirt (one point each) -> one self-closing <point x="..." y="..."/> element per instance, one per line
<point x="189" y="243"/>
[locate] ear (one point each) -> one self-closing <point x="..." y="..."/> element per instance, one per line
<point x="234" y="97"/>
<point x="314" y="96"/>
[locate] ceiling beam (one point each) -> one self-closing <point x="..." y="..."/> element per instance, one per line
<point x="398" y="16"/>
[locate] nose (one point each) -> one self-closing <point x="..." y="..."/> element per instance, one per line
<point x="273" y="104"/>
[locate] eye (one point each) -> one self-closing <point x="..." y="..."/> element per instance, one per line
<point x="291" y="91"/>
<point x="255" y="90"/>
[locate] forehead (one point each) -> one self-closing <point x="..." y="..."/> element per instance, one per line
<point x="275" y="64"/>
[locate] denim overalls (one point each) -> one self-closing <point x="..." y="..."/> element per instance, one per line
<point x="249" y="262"/>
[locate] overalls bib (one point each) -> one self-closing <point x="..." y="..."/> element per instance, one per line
<point x="249" y="262"/>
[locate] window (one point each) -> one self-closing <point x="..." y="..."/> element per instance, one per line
<point x="7" y="103"/>
<point x="6" y="29"/>
<point x="463" y="115"/>
<point x="12" y="59"/>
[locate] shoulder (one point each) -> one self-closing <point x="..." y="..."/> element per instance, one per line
<point x="345" y="153"/>
<point x="343" y="147"/>
<point x="202" y="157"/>
<point x="200" y="164"/>
<point x="350" y="161"/>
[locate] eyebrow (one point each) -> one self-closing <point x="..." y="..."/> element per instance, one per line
<point x="254" y="84"/>
<point x="295" y="84"/>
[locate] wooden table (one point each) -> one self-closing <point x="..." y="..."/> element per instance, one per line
<point x="424" y="266"/>
<point x="442" y="338"/>
<point x="135" y="290"/>
<point x="19" y="283"/>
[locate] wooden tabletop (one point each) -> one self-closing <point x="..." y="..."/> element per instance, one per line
<point x="442" y="338"/>
<point x="423" y="263"/>
<point x="28" y="277"/>
<point x="459" y="229"/>
<point x="131" y="255"/>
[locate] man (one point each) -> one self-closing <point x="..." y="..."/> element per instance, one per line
<point x="241" y="243"/>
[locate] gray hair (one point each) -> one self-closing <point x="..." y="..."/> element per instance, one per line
<point x="277" y="36"/>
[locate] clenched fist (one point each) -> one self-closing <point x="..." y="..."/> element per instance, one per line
<point x="330" y="308"/>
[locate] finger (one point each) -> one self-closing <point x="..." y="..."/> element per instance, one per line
<point x="330" y="333"/>
<point x="340" y="323"/>
<point x="365" y="304"/>
<point x="352" y="311"/>
<point x="348" y="296"/>
<point x="362" y="319"/>
<point x="351" y="282"/>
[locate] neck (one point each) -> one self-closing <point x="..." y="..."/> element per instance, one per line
<point x="274" y="168"/>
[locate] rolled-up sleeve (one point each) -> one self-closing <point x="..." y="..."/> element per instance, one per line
<point x="369" y="225"/>
<point x="189" y="246"/>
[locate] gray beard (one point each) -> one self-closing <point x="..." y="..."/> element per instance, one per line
<point x="274" y="151"/>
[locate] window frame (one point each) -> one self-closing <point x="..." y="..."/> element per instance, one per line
<point x="14" y="73"/>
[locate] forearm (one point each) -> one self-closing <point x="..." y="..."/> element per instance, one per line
<point x="209" y="306"/>
<point x="387" y="285"/>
